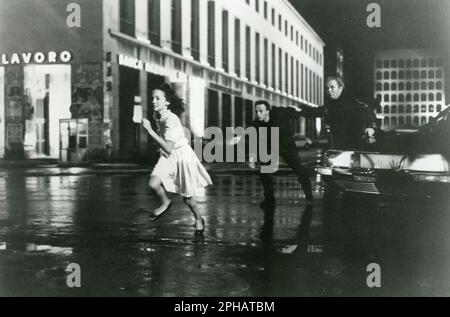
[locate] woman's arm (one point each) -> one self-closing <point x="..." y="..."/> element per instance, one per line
<point x="167" y="146"/>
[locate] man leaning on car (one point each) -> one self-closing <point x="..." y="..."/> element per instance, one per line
<point x="352" y="123"/>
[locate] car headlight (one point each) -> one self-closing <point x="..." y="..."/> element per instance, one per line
<point x="425" y="163"/>
<point x="338" y="158"/>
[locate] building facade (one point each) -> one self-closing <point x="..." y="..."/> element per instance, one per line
<point x="410" y="86"/>
<point x="220" y="56"/>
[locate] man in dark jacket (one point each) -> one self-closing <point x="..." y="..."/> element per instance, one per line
<point x="278" y="117"/>
<point x="352" y="123"/>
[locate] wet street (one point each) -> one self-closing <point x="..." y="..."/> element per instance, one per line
<point x="48" y="222"/>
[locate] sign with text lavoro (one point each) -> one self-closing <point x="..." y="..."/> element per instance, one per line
<point x="49" y="57"/>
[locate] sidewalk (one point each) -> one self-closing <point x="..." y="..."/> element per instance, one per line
<point x="51" y="167"/>
<point x="44" y="168"/>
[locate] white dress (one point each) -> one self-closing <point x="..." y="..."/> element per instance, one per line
<point x="180" y="171"/>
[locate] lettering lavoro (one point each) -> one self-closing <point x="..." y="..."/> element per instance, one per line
<point x="36" y="57"/>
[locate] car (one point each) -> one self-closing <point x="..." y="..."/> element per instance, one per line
<point x="414" y="164"/>
<point x="302" y="141"/>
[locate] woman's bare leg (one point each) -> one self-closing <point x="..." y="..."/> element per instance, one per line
<point x="155" y="185"/>
<point x="192" y="204"/>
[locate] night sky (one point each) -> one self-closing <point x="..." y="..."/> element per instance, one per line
<point x="404" y="24"/>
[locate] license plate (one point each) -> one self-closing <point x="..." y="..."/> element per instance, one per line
<point x="365" y="179"/>
<point x="325" y="171"/>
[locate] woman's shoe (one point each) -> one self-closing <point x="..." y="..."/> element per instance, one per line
<point x="154" y="217"/>
<point x="201" y="231"/>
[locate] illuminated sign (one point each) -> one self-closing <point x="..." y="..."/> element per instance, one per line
<point x="38" y="58"/>
<point x="138" y="64"/>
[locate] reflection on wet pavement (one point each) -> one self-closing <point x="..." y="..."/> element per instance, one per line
<point x="47" y="223"/>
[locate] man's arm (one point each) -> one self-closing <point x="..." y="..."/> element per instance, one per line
<point x="306" y="111"/>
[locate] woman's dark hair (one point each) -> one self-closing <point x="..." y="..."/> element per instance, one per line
<point x="176" y="105"/>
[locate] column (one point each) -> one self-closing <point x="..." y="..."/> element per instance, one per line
<point x="203" y="31"/>
<point x="185" y="28"/>
<point x="166" y="24"/>
<point x="141" y="13"/>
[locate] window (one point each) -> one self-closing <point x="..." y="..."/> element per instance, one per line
<point x="195" y="29"/>
<point x="408" y="86"/>
<point x="416" y="97"/>
<point x="225" y="37"/>
<point x="154" y="21"/>
<point x="296" y="38"/>
<point x="431" y="96"/>
<point x="176" y="26"/>
<point x="211" y="34"/>
<point x="423" y="85"/>
<point x="386" y="97"/>
<point x="280" y="69"/>
<point x="401" y="86"/>
<point x="431" y="85"/>
<point x="127" y="17"/>
<point x="394" y="75"/>
<point x="273" y="16"/>
<point x="401" y="63"/>
<point x="286" y="74"/>
<point x="286" y="28"/>
<point x="292" y="33"/>
<point x="423" y="97"/>
<point x="292" y="75"/>
<point x="274" y="78"/>
<point x="439" y="85"/>
<point x="408" y="121"/>
<point x="423" y="120"/>
<point x="257" y="59"/>
<point x="416" y="86"/>
<point x="401" y="75"/>
<point x="430" y="108"/>
<point x="393" y="63"/>
<point x="416" y="74"/>
<point x="416" y="109"/>
<point x="266" y="62"/>
<point x="401" y="121"/>
<point x="416" y="63"/>
<point x="379" y="75"/>
<point x="280" y="23"/>
<point x="301" y="42"/>
<point x="301" y="81"/>
<point x="408" y="74"/>
<point x="438" y="108"/>
<point x="408" y="63"/>
<point x="386" y="75"/>
<point x="401" y="109"/>
<point x="439" y="73"/>
<point x="379" y="86"/>
<point x="438" y="96"/>
<point x="394" y="109"/>
<point x="297" y="78"/>
<point x="386" y="86"/>
<point x="408" y="97"/>
<point x="257" y="5"/>
<point x="431" y="62"/>
<point x="408" y="109"/>
<point x="431" y="74"/>
<point x="423" y="74"/>
<point x="248" y="53"/>
<point x="394" y="121"/>
<point x="401" y="98"/>
<point x="237" y="47"/>
<point x="386" y="121"/>
<point x="423" y="63"/>
<point x="386" y="64"/>
<point x="423" y="108"/>
<point x="265" y="10"/>
<point x="394" y="98"/>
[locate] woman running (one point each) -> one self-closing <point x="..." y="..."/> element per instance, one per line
<point x="178" y="169"/>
